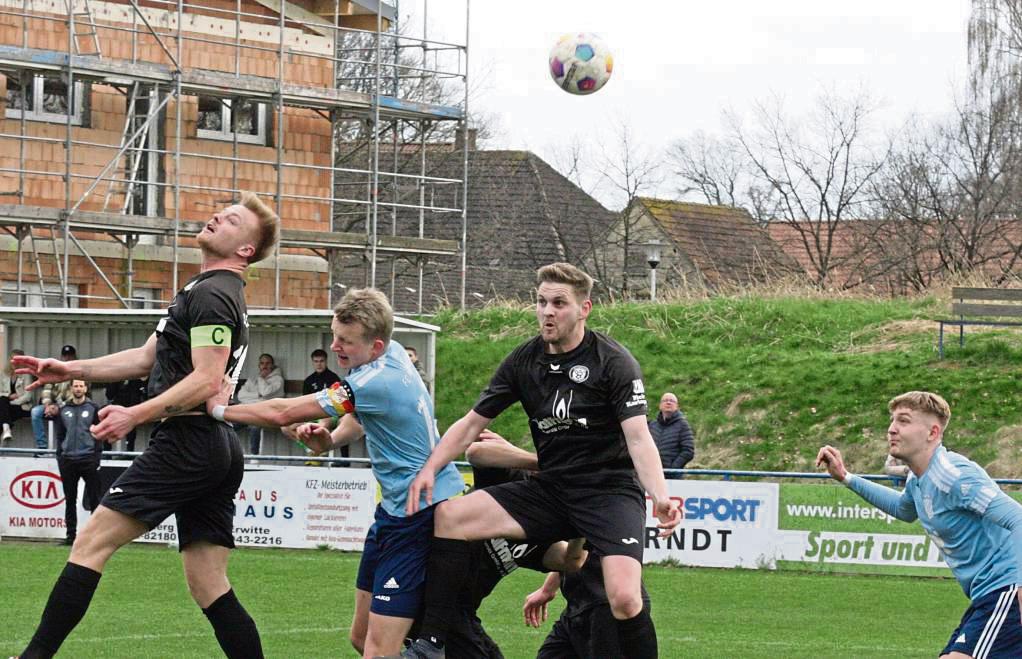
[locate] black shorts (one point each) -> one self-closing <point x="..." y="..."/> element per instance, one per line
<point x="192" y="469"/>
<point x="608" y="510"/>
<point x="467" y="639"/>
<point x="592" y="633"/>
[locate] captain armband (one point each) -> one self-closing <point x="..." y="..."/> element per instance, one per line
<point x="215" y="336"/>
<point x="336" y="400"/>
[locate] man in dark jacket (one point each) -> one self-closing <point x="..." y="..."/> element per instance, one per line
<point x="78" y="454"/>
<point x="673" y="435"/>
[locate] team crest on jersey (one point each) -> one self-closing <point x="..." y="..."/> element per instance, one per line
<point x="579" y="374"/>
<point x="928" y="506"/>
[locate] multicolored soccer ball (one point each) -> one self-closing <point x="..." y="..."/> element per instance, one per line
<point x="580" y="63"/>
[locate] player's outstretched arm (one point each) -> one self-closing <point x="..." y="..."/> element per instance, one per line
<point x="650" y="471"/>
<point x="896" y="504"/>
<point x="492" y="450"/>
<point x="535" y="608"/>
<point x="123" y="365"/>
<point x="454" y="442"/>
<point x="275" y="412"/>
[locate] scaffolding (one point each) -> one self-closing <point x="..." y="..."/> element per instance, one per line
<point x="387" y="97"/>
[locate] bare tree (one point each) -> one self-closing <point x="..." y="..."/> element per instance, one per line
<point x="955" y="190"/>
<point x="713" y="167"/>
<point x="812" y="173"/>
<point x="629" y="169"/>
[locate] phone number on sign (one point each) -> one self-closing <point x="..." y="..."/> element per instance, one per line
<point x="258" y="540"/>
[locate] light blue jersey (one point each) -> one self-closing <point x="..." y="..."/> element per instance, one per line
<point x="977" y="527"/>
<point x="396" y="413"/>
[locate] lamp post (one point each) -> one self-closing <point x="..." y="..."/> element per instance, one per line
<point x="653" y="259"/>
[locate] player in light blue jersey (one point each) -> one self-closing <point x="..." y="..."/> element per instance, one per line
<point x="383" y="397"/>
<point x="977" y="527"/>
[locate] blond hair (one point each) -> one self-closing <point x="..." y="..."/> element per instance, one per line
<point x="370" y="308"/>
<point x="923" y="401"/>
<point x="269" y="226"/>
<point x="566" y="273"/>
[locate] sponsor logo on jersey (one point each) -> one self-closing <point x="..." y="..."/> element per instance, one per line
<point x="560" y="418"/>
<point x="579" y="374"/>
<point x="391" y="583"/>
<point x="505" y="554"/>
<point x="629" y="541"/>
<point x="928" y="505"/>
<point x="116" y="490"/>
<point x="382" y="598"/>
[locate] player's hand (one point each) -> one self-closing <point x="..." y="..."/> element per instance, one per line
<point x="315" y="436"/>
<point x="830" y="458"/>
<point x="492" y="437"/>
<point x="535" y="608"/>
<point x="669" y="514"/>
<point x="45" y="371"/>
<point x="222" y="397"/>
<point x="115" y="421"/>
<point x="423" y="484"/>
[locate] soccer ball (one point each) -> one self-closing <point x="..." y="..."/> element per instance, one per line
<point x="580" y="63"/>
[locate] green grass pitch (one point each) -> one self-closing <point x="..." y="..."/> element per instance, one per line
<point x="302" y="602"/>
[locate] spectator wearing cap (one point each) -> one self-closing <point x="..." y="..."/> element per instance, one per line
<point x="53" y="397"/>
<point x="15" y="397"/>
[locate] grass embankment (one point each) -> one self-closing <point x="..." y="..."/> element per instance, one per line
<point x="766" y="381"/>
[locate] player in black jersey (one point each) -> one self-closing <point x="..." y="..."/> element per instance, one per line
<point x="194" y="464"/>
<point x="586" y="628"/>
<point x="495" y="461"/>
<point x="584" y="396"/>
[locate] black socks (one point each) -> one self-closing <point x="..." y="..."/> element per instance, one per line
<point x="445" y="573"/>
<point x="234" y="628"/>
<point x="638" y="636"/>
<point x="69" y="600"/>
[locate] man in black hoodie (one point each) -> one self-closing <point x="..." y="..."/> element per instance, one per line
<point x="78" y="454"/>
<point x="673" y="435"/>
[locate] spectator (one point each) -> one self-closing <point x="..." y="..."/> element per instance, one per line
<point x="673" y="435"/>
<point x="267" y="384"/>
<point x="78" y="454"/>
<point x="413" y="355"/>
<point x="895" y="467"/>
<point x="15" y="398"/>
<point x="321" y="376"/>
<point x="127" y="393"/>
<point x="53" y="396"/>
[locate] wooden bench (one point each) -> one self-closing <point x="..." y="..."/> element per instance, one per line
<point x="977" y="306"/>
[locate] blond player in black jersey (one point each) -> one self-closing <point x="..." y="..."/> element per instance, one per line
<point x="194" y="464"/>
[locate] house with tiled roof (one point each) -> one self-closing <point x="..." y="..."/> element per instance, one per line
<point x="522" y="214"/>
<point x="700" y="245"/>
<point x="899" y="256"/>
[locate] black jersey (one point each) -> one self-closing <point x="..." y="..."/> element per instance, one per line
<point x="584" y="589"/>
<point x="575" y="401"/>
<point x="319" y="381"/>
<point x="495" y="559"/>
<point x="204" y="312"/>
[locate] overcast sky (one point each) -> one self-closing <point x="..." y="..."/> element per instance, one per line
<point x="679" y="63"/>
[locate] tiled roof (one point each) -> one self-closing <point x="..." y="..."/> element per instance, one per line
<point x="522" y="214"/>
<point x="723" y="242"/>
